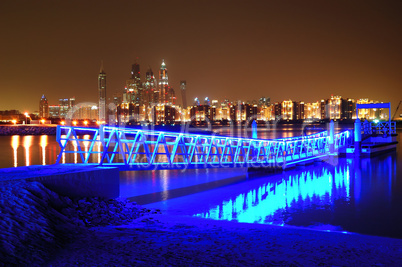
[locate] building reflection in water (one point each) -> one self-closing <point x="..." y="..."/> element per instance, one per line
<point x="15" y="142"/>
<point x="43" y="143"/>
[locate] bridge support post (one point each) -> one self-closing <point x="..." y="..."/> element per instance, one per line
<point x="254" y="129"/>
<point x="358" y="137"/>
<point x="331" y="137"/>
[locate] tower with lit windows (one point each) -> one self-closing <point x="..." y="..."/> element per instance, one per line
<point x="150" y="91"/>
<point x="43" y="107"/>
<point x="102" y="94"/>
<point x="133" y="89"/>
<point x="183" y="93"/>
<point x="163" y="84"/>
<point x="166" y="93"/>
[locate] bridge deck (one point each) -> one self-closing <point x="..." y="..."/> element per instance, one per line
<point x="136" y="149"/>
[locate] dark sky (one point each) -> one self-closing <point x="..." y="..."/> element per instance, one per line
<point x="302" y="50"/>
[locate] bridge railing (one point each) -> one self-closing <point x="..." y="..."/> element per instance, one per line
<point x="142" y="149"/>
<point x="383" y="127"/>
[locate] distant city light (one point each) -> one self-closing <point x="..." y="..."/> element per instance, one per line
<point x="74" y="123"/>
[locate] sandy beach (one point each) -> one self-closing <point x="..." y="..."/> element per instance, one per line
<point x="167" y="240"/>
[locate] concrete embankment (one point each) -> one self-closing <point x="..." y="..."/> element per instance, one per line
<point x="27" y="129"/>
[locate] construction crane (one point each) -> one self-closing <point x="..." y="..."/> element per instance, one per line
<point x="397" y="108"/>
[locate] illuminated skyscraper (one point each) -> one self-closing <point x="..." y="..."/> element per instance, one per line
<point x="102" y="94"/>
<point x="183" y="93"/>
<point x="135" y="74"/>
<point x="133" y="88"/>
<point x="150" y="91"/>
<point x="71" y="102"/>
<point x="43" y="107"/>
<point x="163" y="83"/>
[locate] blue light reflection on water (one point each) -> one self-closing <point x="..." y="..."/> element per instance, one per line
<point x="270" y="202"/>
<point x="355" y="196"/>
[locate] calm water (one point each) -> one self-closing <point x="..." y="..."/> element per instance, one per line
<point x="363" y="196"/>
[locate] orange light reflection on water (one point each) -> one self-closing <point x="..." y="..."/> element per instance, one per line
<point x="86" y="144"/>
<point x="15" y="142"/>
<point x="43" y="143"/>
<point x="27" y="143"/>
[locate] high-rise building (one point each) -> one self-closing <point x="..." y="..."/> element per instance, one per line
<point x="334" y="107"/>
<point x="102" y="94"/>
<point x="133" y="86"/>
<point x="43" y="107"/>
<point x="312" y="110"/>
<point x="183" y="85"/>
<point x="298" y="110"/>
<point x="287" y="110"/>
<point x="63" y="107"/>
<point x="54" y="111"/>
<point x="71" y="102"/>
<point x="163" y="83"/>
<point x="323" y="109"/>
<point x="277" y="110"/>
<point x="133" y="91"/>
<point x="164" y="114"/>
<point x="171" y="96"/>
<point x="241" y="111"/>
<point x="264" y="101"/>
<point x="135" y="74"/>
<point x="150" y="92"/>
<point x="117" y="98"/>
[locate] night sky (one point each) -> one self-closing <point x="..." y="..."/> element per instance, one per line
<point x="302" y="50"/>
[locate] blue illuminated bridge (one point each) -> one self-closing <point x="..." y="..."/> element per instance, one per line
<point x="137" y="149"/>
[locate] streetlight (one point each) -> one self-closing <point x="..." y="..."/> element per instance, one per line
<point x="26" y="117"/>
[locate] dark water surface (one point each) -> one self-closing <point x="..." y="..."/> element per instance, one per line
<point x="363" y="196"/>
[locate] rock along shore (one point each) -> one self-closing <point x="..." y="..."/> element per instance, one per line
<point x="35" y="222"/>
<point x="27" y="130"/>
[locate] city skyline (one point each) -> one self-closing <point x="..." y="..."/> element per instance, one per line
<point x="302" y="51"/>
